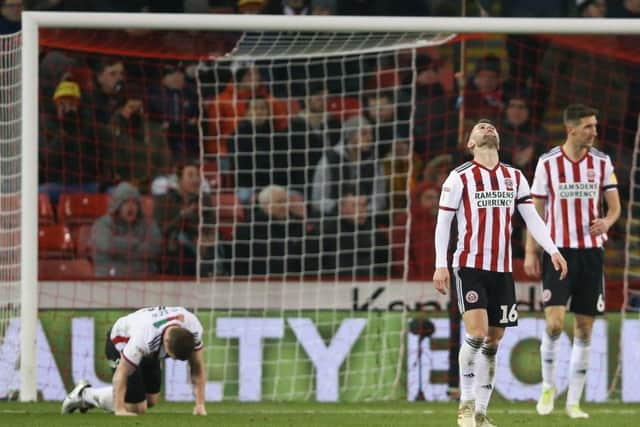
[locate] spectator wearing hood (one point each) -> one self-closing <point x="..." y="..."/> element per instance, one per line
<point x="124" y="243"/>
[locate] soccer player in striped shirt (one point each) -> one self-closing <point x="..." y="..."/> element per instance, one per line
<point x="569" y="182"/>
<point x="483" y="194"/>
<point x="135" y="346"/>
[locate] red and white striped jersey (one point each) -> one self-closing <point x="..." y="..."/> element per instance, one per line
<point x="484" y="201"/>
<point x="140" y="333"/>
<point x="573" y="191"/>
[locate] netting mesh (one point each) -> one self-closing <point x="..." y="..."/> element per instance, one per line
<point x="302" y="278"/>
<point x="9" y="179"/>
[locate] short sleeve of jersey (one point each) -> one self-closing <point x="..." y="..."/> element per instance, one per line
<point x="540" y="186"/>
<point x="135" y="350"/>
<point x="609" y="181"/>
<point x="195" y="327"/>
<point x="523" y="192"/>
<point x="451" y="192"/>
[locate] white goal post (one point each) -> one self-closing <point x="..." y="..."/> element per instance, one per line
<point x="33" y="21"/>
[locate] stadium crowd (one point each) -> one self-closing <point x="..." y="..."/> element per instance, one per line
<point x="304" y="173"/>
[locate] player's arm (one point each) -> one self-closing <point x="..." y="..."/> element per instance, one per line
<point x="531" y="260"/>
<point x="443" y="231"/>
<point x="450" y="197"/>
<point x="601" y="225"/>
<point x="120" y="377"/>
<point x="540" y="233"/>
<point x="199" y="380"/>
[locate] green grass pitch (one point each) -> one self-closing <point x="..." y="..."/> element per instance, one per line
<point x="316" y="414"/>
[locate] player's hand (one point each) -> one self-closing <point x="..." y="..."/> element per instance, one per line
<point x="124" y="413"/>
<point x="599" y="226"/>
<point x="532" y="264"/>
<point x="199" y="410"/>
<point x="559" y="263"/>
<point x="441" y="280"/>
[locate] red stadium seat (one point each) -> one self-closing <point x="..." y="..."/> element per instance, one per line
<point x="54" y="241"/>
<point x="82" y="208"/>
<point x="45" y="210"/>
<point x="73" y="269"/>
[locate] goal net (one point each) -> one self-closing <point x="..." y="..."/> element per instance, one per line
<point x="285" y="186"/>
<point x="9" y="188"/>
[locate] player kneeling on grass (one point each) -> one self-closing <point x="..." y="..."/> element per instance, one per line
<point x="135" y="345"/>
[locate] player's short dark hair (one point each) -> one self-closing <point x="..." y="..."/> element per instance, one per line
<point x="575" y="112"/>
<point x="181" y="343"/>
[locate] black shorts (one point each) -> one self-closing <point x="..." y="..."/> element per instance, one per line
<point x="489" y="290"/>
<point x="145" y="380"/>
<point x="583" y="284"/>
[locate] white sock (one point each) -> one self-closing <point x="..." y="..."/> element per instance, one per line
<point x="578" y="370"/>
<point x="99" y="397"/>
<point x="485" y="377"/>
<point x="549" y="358"/>
<point x="466" y="360"/>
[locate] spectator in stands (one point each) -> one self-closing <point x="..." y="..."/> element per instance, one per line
<point x="525" y="51"/>
<point x="69" y="146"/>
<point x="288" y="7"/>
<point x="177" y="213"/>
<point x="437" y="169"/>
<point x="174" y="104"/>
<point x="312" y="131"/>
<point x="270" y="241"/>
<point x="350" y="244"/>
<point x="62" y="5"/>
<point x="396" y="166"/>
<point x="350" y="167"/>
<point x="10" y="16"/>
<point x="434" y="123"/>
<point x="521" y="141"/>
<point x="137" y="150"/>
<point x="588" y="76"/>
<point x="258" y="155"/>
<point x="483" y="91"/>
<point x="222" y="6"/>
<point x="230" y="106"/>
<point x="591" y="8"/>
<point x="124" y="243"/>
<point x="251" y="7"/>
<point x="388" y="116"/>
<point x="107" y="89"/>
<point x="424" y="212"/>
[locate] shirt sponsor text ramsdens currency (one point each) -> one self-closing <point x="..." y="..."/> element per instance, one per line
<point x="494" y="199"/>
<point x="577" y="190"/>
